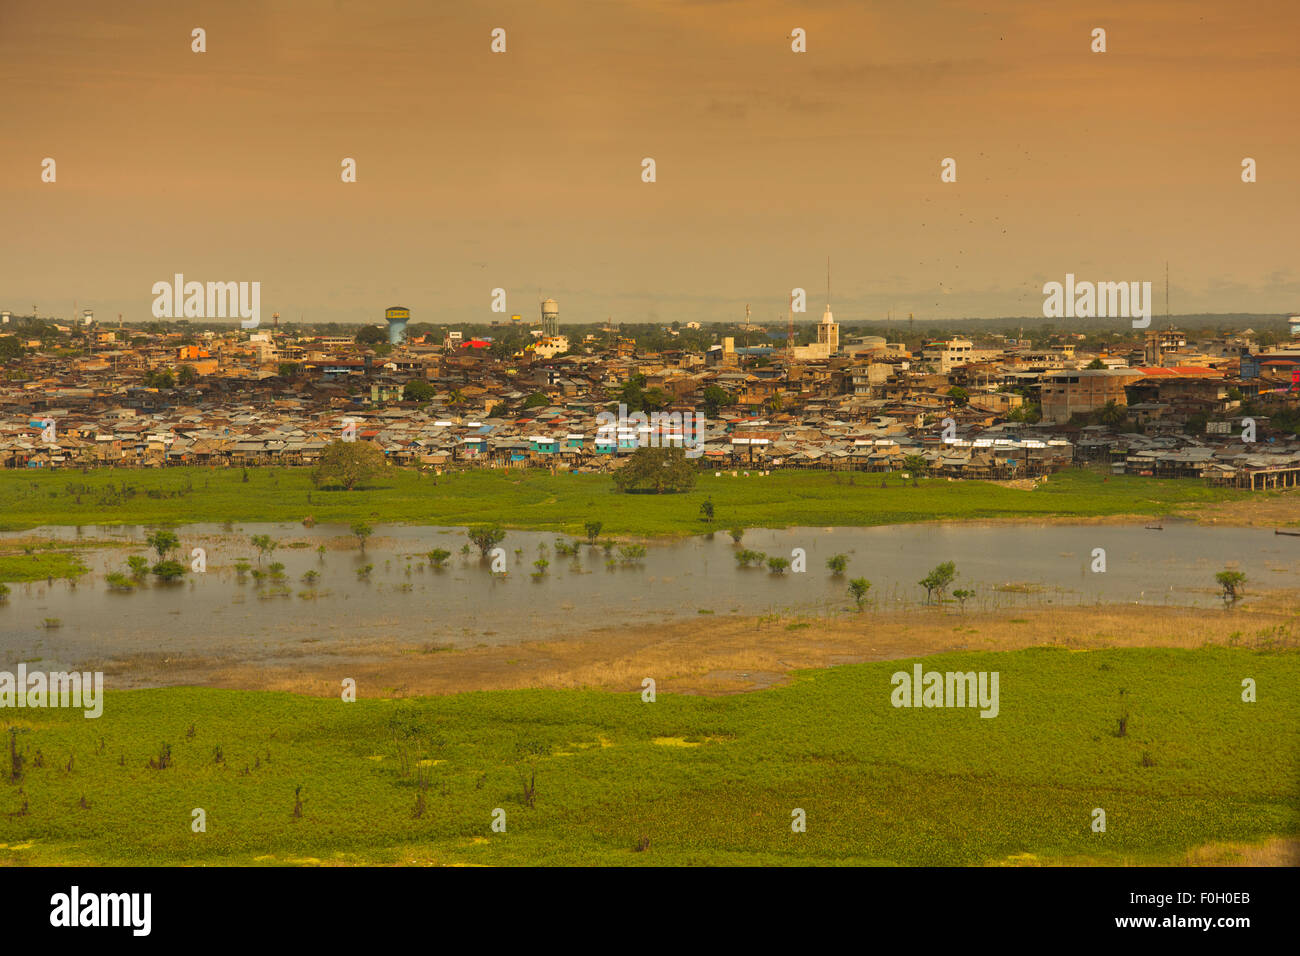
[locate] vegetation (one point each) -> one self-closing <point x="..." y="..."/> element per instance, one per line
<point x="658" y="470"/>
<point x="837" y="563"/>
<point x="858" y="588"/>
<point x="956" y="789"/>
<point x="937" y="581"/>
<point x="783" y="499"/>
<point x="17" y="568"/>
<point x="1233" y="584"/>
<point x="346" y="464"/>
<point x="486" y="537"/>
<point x="361" y="531"/>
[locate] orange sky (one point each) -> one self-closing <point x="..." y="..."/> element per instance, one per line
<point x="522" y="170"/>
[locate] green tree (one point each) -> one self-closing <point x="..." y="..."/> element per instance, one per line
<point x="1233" y="585"/>
<point x="858" y="588"/>
<point x="417" y="390"/>
<point x="778" y="565"/>
<point x="159" y="378"/>
<point x="706" y="509"/>
<point x="963" y="595"/>
<point x="485" y="537"/>
<point x="362" y="531"/>
<point x="537" y="400"/>
<point x="656" y="469"/>
<point x="265" y="545"/>
<point x="592" y="529"/>
<point x="937" y="581"/>
<point x="438" y="557"/>
<point x="162" y="542"/>
<point x="715" y="398"/>
<point x="915" y="465"/>
<point x="1096" y="363"/>
<point x="289" y="370"/>
<point x="371" y="335"/>
<point x="959" y="395"/>
<point x="187" y="375"/>
<point x="347" y="464"/>
<point x="837" y="563"/>
<point x="169" y="570"/>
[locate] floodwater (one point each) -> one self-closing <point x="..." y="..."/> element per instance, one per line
<point x="221" y="612"/>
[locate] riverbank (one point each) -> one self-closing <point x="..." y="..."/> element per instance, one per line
<point x="711" y="654"/>
<point x="564" y="503"/>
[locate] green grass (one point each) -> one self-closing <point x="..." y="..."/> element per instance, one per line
<point x="879" y="785"/>
<point x="39" y="567"/>
<point x="562" y="503"/>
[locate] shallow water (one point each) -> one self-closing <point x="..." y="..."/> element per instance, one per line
<point x="218" y="612"/>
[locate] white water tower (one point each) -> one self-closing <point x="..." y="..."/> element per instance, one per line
<point x="550" y="318"/>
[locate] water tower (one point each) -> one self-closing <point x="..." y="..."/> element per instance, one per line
<point x="397" y="316"/>
<point x="550" y="318"/>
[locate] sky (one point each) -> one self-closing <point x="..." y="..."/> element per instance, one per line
<point x="522" y="170"/>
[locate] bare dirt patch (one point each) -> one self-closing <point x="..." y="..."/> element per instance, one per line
<point x="723" y="655"/>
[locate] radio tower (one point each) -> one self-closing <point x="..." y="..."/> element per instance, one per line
<point x="1168" y="324"/>
<point x="789" y="330"/>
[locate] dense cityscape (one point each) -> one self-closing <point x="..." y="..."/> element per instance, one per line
<point x="1217" y="404"/>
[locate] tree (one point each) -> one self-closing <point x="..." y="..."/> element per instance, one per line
<point x="371" y="335"/>
<point x="362" y="531"/>
<point x="139" y="566"/>
<point x="962" y="595"/>
<point x="656" y="469"/>
<point x="858" y="588"/>
<point x="915" y="465"/>
<point x="837" y="563"/>
<point x="485" y="537"/>
<point x="937" y="581"/>
<point x="417" y="390"/>
<point x="706" y="509"/>
<point x="1233" y="584"/>
<point x="714" y="398"/>
<point x="778" y="565"/>
<point x="162" y="542"/>
<point x="187" y="375"/>
<point x="959" y="395"/>
<point x="592" y="529"/>
<point x="655" y="399"/>
<point x="289" y="370"/>
<point x="736" y="534"/>
<point x="264" y="545"/>
<point x="159" y="378"/>
<point x="347" y="464"/>
<point x="1096" y="363"/>
<point x="438" y="557"/>
<point x="537" y="400"/>
<point x="169" y="570"/>
<point x="632" y="393"/>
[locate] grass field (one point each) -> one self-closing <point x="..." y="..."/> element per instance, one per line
<point x="702" y="780"/>
<point x="562" y="503"/>
<point x="40" y="567"/>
